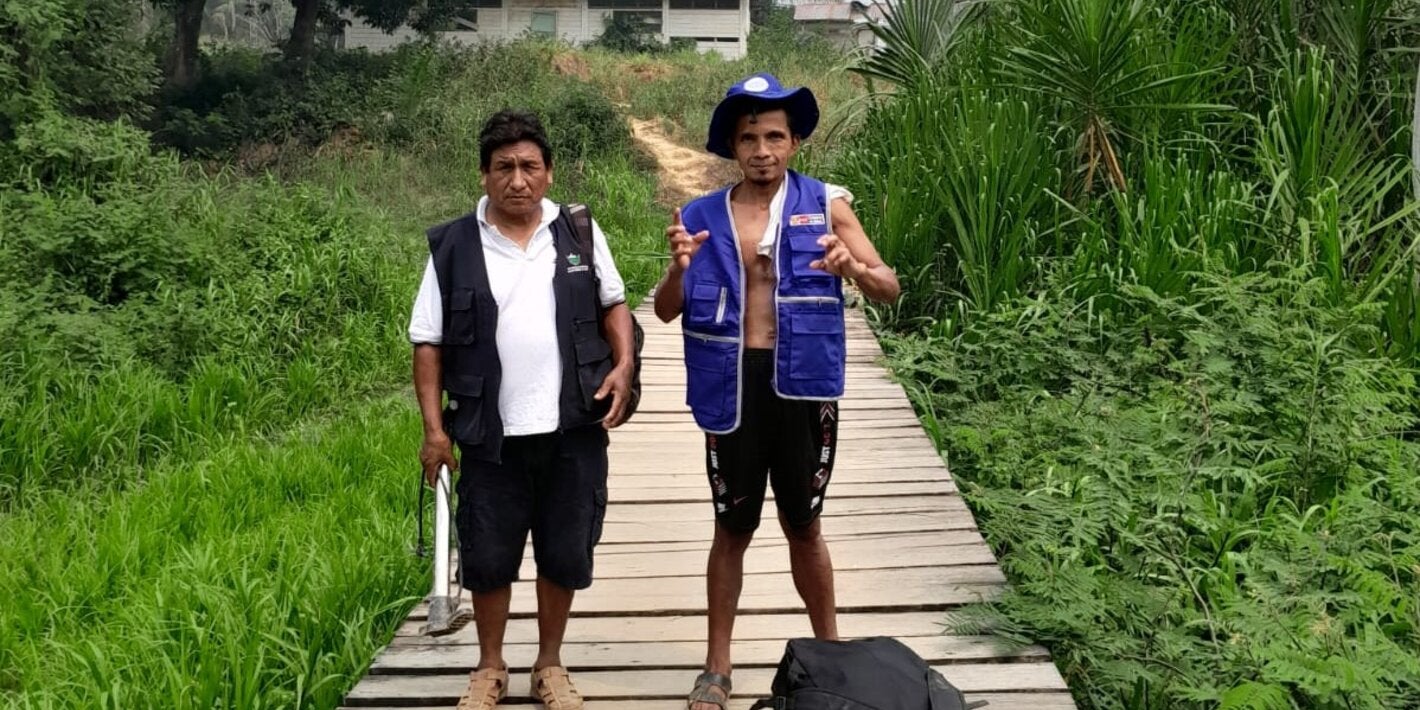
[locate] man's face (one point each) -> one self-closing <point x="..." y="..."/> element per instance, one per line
<point x="517" y="178"/>
<point x="763" y="145"/>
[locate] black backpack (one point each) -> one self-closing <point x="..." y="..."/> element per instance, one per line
<point x="869" y="674"/>
<point x="580" y="217"/>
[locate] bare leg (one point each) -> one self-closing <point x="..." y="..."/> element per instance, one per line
<point x="554" y="605"/>
<point x="490" y="610"/>
<point x="724" y="579"/>
<point x="813" y="576"/>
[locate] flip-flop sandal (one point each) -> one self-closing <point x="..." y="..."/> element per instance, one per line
<point x="702" y="692"/>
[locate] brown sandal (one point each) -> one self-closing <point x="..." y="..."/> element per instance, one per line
<point x="486" y="688"/>
<point x="553" y="686"/>
<point x="702" y="692"/>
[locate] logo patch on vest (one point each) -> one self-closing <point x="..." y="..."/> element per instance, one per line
<point x="806" y="220"/>
<point x="574" y="258"/>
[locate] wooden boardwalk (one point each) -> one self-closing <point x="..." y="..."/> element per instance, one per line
<point x="905" y="548"/>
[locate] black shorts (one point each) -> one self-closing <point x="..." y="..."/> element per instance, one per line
<point x="789" y="442"/>
<point x="552" y="485"/>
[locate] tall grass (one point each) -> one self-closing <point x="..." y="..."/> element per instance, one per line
<point x="956" y="187"/>
<point x="262" y="575"/>
<point x="179" y="311"/>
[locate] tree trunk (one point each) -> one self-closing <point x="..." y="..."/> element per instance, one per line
<point x="181" y="64"/>
<point x="303" y="34"/>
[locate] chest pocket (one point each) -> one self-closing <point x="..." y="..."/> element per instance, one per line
<point x="463" y="319"/>
<point x="800" y="249"/>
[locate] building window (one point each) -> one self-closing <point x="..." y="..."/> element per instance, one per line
<point x="705" y="4"/>
<point x="466" y="20"/>
<point x="651" y="19"/>
<point x="624" y="4"/>
<point x="709" y="40"/>
<point x="544" y="23"/>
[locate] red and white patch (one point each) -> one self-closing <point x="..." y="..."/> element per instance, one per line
<point x="806" y="220"/>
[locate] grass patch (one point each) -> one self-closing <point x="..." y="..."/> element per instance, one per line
<point x="260" y="575"/>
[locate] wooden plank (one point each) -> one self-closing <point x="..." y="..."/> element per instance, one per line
<point x="913" y="589"/>
<point x="894" y="550"/>
<point x="862" y="553"/>
<point x="686" y="494"/>
<point x="907" y="510"/>
<point x="688" y="477"/>
<point x="429" y="659"/>
<point x="445" y="689"/>
<point x="658" y="433"/>
<point x="897" y="419"/>
<point x="693" y="473"/>
<point x="691" y="627"/>
<point x="1044" y="700"/>
<point x="624" y="461"/>
<point x="666" y="532"/>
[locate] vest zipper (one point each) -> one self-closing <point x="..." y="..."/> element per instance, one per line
<point x="706" y="337"/>
<point x="740" y="355"/>
<point x="808" y="299"/>
<point x="720" y="310"/>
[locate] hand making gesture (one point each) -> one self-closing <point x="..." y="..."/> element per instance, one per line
<point x="683" y="243"/>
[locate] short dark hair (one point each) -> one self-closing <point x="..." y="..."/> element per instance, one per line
<point x="752" y="108"/>
<point x="508" y="127"/>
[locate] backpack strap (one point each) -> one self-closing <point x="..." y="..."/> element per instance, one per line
<point x="579" y="217"/>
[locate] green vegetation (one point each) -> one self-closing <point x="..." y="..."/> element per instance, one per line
<point x="258" y="575"/>
<point x="1160" y="266"/>
<point x="206" y="481"/>
<point x="1162" y="314"/>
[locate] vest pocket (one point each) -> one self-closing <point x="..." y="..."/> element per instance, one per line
<point x="463" y="317"/>
<point x="816" y="348"/>
<point x="593" y="364"/>
<point x="708" y="304"/>
<point x="804" y="249"/>
<point x="710" y="387"/>
<point x="463" y="414"/>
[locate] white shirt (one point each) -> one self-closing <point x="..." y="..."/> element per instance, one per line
<point x="776" y="214"/>
<point x="527" y="317"/>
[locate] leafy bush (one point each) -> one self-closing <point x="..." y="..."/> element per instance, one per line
<point x="630" y="34"/>
<point x="152" y="309"/>
<point x="246" y="96"/>
<point x="1205" y="502"/>
<point x="78" y="57"/>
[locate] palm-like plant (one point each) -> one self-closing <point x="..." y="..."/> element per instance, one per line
<point x="1100" y="60"/>
<point x="914" y="40"/>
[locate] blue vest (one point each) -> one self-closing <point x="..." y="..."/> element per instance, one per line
<point x="809" y="352"/>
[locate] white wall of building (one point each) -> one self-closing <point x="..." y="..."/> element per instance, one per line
<point x="722" y="31"/>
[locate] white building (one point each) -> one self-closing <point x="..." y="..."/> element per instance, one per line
<point x="714" y="25"/>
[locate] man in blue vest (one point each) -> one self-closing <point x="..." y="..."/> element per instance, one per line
<point x="756" y="276"/>
<point x="524" y="326"/>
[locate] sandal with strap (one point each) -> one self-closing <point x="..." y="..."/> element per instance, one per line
<point x="485" y="689"/>
<point x="553" y="686"/>
<point x="702" y="692"/>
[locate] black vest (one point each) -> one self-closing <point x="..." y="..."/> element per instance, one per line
<point x="472" y="372"/>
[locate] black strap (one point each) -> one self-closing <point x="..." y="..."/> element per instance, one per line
<point x="579" y="218"/>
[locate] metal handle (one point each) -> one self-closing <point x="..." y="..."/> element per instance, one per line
<point x="441" y="534"/>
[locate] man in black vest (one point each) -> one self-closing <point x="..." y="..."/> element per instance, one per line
<point x="527" y="331"/>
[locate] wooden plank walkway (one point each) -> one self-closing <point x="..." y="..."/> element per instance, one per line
<point x="905" y="549"/>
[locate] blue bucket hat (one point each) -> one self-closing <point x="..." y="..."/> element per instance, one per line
<point x="760" y="88"/>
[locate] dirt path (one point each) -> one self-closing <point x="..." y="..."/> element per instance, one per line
<point x="684" y="173"/>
